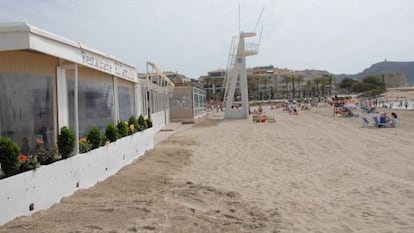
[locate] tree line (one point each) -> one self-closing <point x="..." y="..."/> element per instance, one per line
<point x="369" y="86"/>
<point x="262" y="87"/>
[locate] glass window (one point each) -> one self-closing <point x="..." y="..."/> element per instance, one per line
<point x="125" y="99"/>
<point x="96" y="108"/>
<point x="27" y="110"/>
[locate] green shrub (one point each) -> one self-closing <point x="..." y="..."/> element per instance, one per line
<point x="104" y="140"/>
<point x="142" y="124"/>
<point x="66" y="142"/>
<point x="149" y="122"/>
<point x="9" y="156"/>
<point x="46" y="156"/>
<point x="85" y="147"/>
<point x="132" y="124"/>
<point x="28" y="163"/>
<point x="94" y="137"/>
<point x="122" y="129"/>
<point x="111" y="133"/>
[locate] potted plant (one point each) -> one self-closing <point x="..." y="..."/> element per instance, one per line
<point x="46" y="156"/>
<point x="133" y="124"/>
<point x="84" y="145"/>
<point x="142" y="124"/>
<point x="66" y="142"/>
<point x="122" y="128"/>
<point x="27" y="162"/>
<point x="9" y="156"/>
<point x="111" y="133"/>
<point x="94" y="137"/>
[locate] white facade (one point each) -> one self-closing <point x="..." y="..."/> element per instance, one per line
<point x="53" y="82"/>
<point x="20" y="36"/>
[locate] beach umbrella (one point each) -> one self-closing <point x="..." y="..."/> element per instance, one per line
<point x="349" y="105"/>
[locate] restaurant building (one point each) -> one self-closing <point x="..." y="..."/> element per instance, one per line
<point x="48" y="82"/>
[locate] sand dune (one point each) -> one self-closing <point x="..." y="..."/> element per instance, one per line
<point x="310" y="172"/>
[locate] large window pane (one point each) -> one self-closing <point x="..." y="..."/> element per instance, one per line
<point x="126" y="100"/>
<point x="26" y="109"/>
<point x="95" y="104"/>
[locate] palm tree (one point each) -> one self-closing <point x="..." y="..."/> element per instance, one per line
<point x="293" y="81"/>
<point x="286" y="79"/>
<point x="215" y="82"/>
<point x="208" y="81"/>
<point x="264" y="81"/>
<point x="329" y="80"/>
<point x="299" y="80"/>
<point x="307" y="91"/>
<point x="317" y="81"/>
<point x="253" y="82"/>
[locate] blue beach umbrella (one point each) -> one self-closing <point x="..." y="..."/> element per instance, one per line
<point x="349" y="105"/>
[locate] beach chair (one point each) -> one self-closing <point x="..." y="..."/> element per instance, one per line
<point x="378" y="123"/>
<point x="365" y="122"/>
<point x="270" y="119"/>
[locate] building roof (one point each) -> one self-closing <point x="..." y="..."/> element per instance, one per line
<point x="20" y="35"/>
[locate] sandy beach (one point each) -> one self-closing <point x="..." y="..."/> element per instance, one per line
<point x="311" y="172"/>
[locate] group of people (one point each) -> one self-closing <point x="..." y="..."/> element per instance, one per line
<point x="344" y="112"/>
<point x="217" y="106"/>
<point x="385" y="120"/>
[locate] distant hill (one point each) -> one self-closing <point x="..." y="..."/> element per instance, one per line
<point x="312" y="74"/>
<point x="383" y="67"/>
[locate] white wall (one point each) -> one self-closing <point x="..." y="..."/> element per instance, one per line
<point x="160" y="119"/>
<point x="46" y="185"/>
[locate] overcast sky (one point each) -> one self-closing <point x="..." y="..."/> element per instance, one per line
<point x="194" y="36"/>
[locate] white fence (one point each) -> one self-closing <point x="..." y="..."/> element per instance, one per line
<point x="41" y="188"/>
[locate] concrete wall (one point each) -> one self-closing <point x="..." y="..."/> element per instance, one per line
<point x="393" y="80"/>
<point x="160" y="119"/>
<point x="46" y="185"/>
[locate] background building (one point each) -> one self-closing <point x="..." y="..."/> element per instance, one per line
<point x="213" y="84"/>
<point x="178" y="79"/>
<point x="394" y="79"/>
<point x="269" y="82"/>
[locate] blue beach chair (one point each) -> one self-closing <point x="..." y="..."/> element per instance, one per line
<point x="382" y="121"/>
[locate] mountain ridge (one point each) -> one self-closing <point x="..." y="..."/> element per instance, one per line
<point x="406" y="67"/>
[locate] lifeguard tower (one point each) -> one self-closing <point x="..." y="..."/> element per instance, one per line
<point x="236" y="96"/>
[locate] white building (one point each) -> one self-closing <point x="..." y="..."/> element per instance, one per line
<point x="48" y="82"/>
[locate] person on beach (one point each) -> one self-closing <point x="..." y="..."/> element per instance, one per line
<point x="260" y="109"/>
<point x="383" y="120"/>
<point x="394" y="119"/>
<point x="406" y="104"/>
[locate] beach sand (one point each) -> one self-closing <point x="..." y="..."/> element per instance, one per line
<point x="311" y="172"/>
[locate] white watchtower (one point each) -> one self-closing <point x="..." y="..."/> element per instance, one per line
<point x="236" y="95"/>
